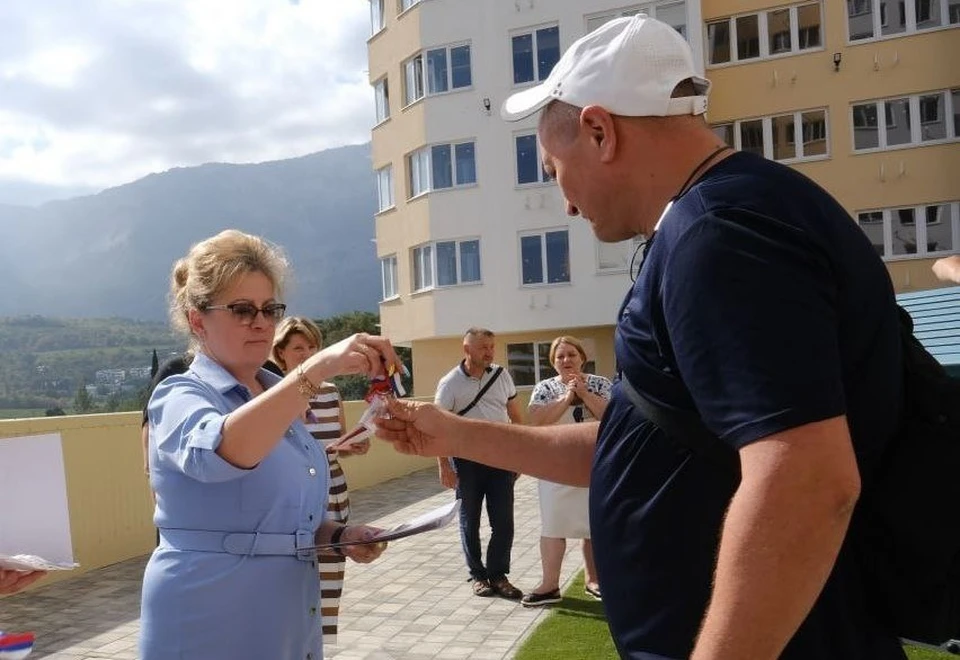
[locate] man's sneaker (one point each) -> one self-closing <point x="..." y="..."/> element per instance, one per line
<point x="482" y="588"/>
<point x="504" y="589"/>
<point x="537" y="600"/>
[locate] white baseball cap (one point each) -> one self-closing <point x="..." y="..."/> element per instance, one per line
<point x="629" y="66"/>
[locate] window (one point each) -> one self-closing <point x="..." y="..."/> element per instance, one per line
<point x="869" y="19"/>
<point x="529" y="363"/>
<point x="671" y="12"/>
<point x="406" y="4"/>
<point x="534" y="54"/>
<point x="385" y="188"/>
<point x="616" y="257"/>
<point x="782" y="31"/>
<point x="453" y="262"/>
<point x="423" y="267"/>
<point x="933" y="121"/>
<point x="908" y="121"/>
<point x="388" y="277"/>
<point x="441" y="166"/>
<point x="529" y="163"/>
<point x="596" y="20"/>
<point x="545" y="257"/>
<point x="794" y="136"/>
<point x="381" y="94"/>
<point x="413" y="79"/>
<point x="913" y="231"/>
<point x="436" y="71"/>
<point x="376" y="16"/>
<point x="724" y="132"/>
<point x="458" y="262"/>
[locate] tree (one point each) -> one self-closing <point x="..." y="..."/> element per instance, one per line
<point x="82" y="402"/>
<point x="342" y="326"/>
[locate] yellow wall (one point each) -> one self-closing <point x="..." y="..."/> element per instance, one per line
<point x="880" y="69"/>
<point x="108" y="495"/>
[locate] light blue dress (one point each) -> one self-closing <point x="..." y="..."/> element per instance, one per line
<point x="226" y="582"/>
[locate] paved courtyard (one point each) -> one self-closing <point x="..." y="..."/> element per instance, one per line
<point x="412" y="604"/>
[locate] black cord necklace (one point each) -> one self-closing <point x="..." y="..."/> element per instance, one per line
<point x="643" y="245"/>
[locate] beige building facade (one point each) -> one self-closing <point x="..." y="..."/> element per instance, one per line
<point x="863" y="96"/>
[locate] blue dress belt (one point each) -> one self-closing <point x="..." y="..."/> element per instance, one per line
<point x="241" y="543"/>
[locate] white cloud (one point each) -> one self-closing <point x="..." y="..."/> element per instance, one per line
<point x="105" y="91"/>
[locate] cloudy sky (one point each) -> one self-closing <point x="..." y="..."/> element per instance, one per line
<point x="95" y="93"/>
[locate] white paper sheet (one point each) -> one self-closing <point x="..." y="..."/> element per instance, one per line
<point x="34" y="517"/>
<point x="435" y="519"/>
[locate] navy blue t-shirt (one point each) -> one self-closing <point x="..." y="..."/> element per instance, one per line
<point x="761" y="305"/>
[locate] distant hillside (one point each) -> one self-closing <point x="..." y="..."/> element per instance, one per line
<point x="43" y="361"/>
<point x="110" y="254"/>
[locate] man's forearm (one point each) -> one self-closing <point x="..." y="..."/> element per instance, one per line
<point x="561" y="453"/>
<point x="773" y="562"/>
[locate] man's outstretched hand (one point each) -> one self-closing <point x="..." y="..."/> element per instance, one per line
<point x="417" y="427"/>
<point x="13" y="581"/>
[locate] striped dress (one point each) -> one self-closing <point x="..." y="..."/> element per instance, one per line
<point x="325" y="428"/>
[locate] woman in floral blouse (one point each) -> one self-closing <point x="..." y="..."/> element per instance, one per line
<point x="569" y="397"/>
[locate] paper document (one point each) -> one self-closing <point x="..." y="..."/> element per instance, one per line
<point x="439" y="517"/>
<point x="34" y="563"/>
<point x="34" y="514"/>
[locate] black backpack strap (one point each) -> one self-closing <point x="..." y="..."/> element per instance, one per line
<point x="686" y="428"/>
<point x="483" y="390"/>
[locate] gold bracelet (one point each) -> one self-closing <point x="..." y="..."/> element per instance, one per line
<point x="304" y="386"/>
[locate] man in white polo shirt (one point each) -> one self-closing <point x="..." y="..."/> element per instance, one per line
<point x="480" y="389"/>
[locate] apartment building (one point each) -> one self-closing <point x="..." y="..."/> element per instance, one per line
<point x="470" y="231"/>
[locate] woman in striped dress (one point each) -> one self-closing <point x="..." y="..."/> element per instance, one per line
<point x="296" y="339"/>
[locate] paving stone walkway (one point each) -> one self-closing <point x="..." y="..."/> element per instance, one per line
<point x="412" y="604"/>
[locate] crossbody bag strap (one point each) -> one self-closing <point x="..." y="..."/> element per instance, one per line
<point x="483" y="390"/>
<point x="685" y="428"/>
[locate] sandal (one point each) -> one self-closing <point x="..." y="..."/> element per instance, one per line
<point x="593" y="591"/>
<point x="482" y="588"/>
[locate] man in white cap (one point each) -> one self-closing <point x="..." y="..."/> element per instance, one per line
<point x="761" y="309"/>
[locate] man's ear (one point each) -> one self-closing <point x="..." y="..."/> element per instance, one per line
<point x="601" y="129"/>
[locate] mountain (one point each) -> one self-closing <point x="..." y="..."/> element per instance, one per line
<point x="110" y="254"/>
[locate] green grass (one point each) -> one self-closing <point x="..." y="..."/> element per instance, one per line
<point x="577" y="628"/>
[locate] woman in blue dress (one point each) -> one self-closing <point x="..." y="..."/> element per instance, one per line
<point x="241" y="487"/>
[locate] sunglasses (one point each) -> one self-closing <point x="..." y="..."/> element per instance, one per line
<point x="245" y="313"/>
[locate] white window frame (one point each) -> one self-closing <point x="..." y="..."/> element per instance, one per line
<point x="916" y="125"/>
<point x="406" y="5"/>
<point x="377" y="19"/>
<point x="421" y="266"/>
<point x="414" y="87"/>
<point x="544" y="257"/>
<point x="910" y="11"/>
<point x="389" y="284"/>
<point x="648" y="8"/>
<point x="381" y="95"/>
<point x="538" y="372"/>
<point x="538" y="76"/>
<point x="411" y="68"/>
<point x="627" y="248"/>
<point x="421" y="161"/>
<point x="542" y="177"/>
<point x="767" y="133"/>
<point x="385" y="199"/>
<point x="458" y="252"/>
<point x="763" y="35"/>
<point x="919" y="211"/>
